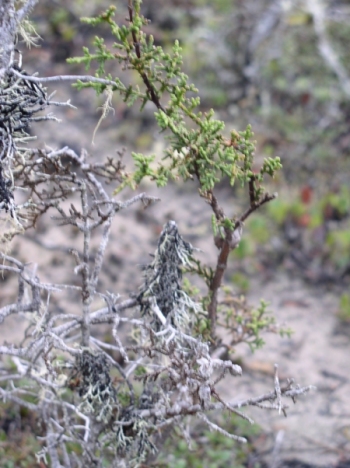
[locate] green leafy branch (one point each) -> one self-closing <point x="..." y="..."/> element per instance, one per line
<point x="246" y="324"/>
<point x="198" y="148"/>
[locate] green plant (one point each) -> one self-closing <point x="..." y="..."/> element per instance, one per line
<point x="212" y="449"/>
<point x="112" y="403"/>
<point x="344" y="308"/>
<point x="198" y="149"/>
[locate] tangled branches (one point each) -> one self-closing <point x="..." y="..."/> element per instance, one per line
<point x="21" y="102"/>
<point x="6" y="195"/>
<point x="114" y="400"/>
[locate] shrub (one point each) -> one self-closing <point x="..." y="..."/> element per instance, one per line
<point x="115" y="403"/>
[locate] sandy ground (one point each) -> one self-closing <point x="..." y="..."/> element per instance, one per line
<point x="317" y="428"/>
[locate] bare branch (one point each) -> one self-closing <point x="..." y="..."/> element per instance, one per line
<point x="26" y="9"/>
<point x="317" y="10"/>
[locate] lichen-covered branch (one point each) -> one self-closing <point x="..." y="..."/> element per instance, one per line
<point x="115" y="400"/>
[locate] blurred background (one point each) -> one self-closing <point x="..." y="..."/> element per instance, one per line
<point x="282" y="66"/>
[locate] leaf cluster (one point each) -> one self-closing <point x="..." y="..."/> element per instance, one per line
<point x="198" y="147"/>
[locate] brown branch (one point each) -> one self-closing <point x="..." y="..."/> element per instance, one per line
<point x="213" y="202"/>
<point x="266" y="198"/>
<point x="150" y="88"/>
<point x="215" y="284"/>
<point x="228" y="243"/>
<point x="252" y="191"/>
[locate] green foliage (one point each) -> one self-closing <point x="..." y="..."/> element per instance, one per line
<point x="212" y="449"/>
<point x="198" y="148"/>
<point x="339" y="201"/>
<point x="260" y="319"/>
<point x="18" y="445"/>
<point x="201" y="149"/>
<point x="241" y="281"/>
<point x="344" y="308"/>
<point x="60" y="24"/>
<point x="338" y="242"/>
<point x="259" y="227"/>
<point x="245" y="249"/>
<point x="247" y="324"/>
<point x="312" y="214"/>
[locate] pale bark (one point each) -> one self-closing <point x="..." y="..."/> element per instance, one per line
<point x="9" y="21"/>
<point x="8" y="28"/>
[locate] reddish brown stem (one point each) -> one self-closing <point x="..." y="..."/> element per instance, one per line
<point x="215" y="284"/>
<point x="252" y="191"/>
<point x="266" y="198"/>
<point x="226" y="247"/>
<point x="150" y="88"/>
